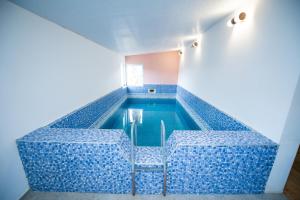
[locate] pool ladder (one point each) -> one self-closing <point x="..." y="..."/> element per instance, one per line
<point x="133" y="133"/>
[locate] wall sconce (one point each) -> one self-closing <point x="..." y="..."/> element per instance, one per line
<point x="238" y="18"/>
<point x="180" y="52"/>
<point x="195" y="44"/>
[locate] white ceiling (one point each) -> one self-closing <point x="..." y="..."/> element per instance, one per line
<point x="134" y="26"/>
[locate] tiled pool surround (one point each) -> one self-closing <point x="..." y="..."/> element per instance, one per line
<point x="89" y="114"/>
<point x="160" y="89"/>
<point x="216" y="119"/>
<point x="227" y="158"/>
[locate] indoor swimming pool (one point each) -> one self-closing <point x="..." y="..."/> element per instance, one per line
<point x="89" y="150"/>
<point x="148" y="113"/>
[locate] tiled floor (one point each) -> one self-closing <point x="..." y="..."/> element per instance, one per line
<point x="30" y="195"/>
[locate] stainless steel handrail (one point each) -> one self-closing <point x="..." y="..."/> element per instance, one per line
<point x="133" y="135"/>
<point x="163" y="148"/>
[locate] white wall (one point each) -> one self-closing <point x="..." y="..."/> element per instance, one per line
<point x="289" y="144"/>
<point x="46" y="72"/>
<point x="250" y="71"/>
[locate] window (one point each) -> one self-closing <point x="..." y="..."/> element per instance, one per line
<point x="134" y="75"/>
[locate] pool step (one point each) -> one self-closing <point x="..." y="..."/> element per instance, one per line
<point x="148" y="165"/>
<point x="148" y="157"/>
<point x="149" y="170"/>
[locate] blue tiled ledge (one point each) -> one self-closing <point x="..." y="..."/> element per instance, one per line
<point x="216" y="119"/>
<point x="218" y="162"/>
<point x="86" y="116"/>
<point x="76" y="160"/>
<point x="166" y="89"/>
<point x="219" y="138"/>
<point x="71" y="135"/>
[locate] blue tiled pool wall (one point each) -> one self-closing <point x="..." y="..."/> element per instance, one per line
<point x="76" y="160"/>
<point x="220" y="170"/>
<point x="86" y="116"/>
<point x="97" y="160"/>
<point x="219" y="162"/>
<point x="216" y="119"/>
<point x="149" y="182"/>
<point x="68" y="157"/>
<point x="165" y="89"/>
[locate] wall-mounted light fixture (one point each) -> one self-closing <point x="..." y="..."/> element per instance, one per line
<point x="238" y="18"/>
<point x="180" y="52"/>
<point x="195" y="44"/>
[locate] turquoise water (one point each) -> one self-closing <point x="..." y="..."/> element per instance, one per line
<point x="148" y="113"/>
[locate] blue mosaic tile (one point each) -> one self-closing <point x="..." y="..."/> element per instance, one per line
<point x="68" y="156"/>
<point x="219" y="162"/>
<point x="159" y="88"/>
<point x="197" y="118"/>
<point x="212" y="138"/>
<point x="149" y="157"/>
<point x="149" y="177"/>
<point x="149" y="182"/>
<point x="86" y="116"/>
<point x="70" y="135"/>
<point x="152" y="96"/>
<point x="215" y="118"/>
<point x="90" y="160"/>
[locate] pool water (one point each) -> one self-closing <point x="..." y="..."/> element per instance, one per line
<point x="148" y="114"/>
